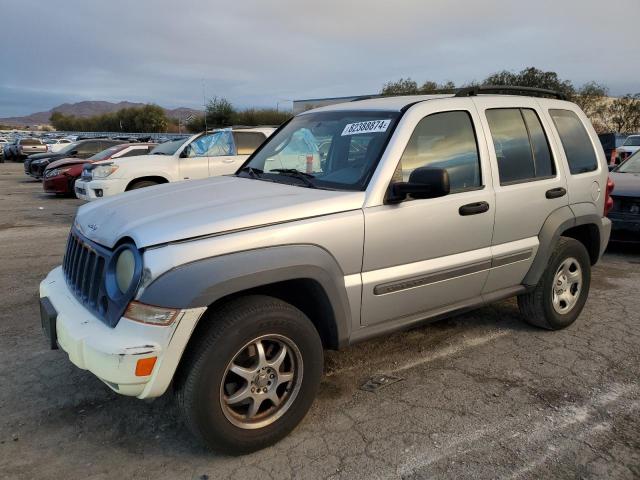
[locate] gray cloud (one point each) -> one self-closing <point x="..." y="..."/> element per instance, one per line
<point x="256" y="53"/>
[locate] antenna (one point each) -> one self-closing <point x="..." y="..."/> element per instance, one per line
<point x="204" y="105"/>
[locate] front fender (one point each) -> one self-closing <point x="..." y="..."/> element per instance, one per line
<point x="201" y="283"/>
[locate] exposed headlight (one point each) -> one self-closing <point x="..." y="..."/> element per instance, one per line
<point x="125" y="270"/>
<point x="141" y="312"/>
<point x="55" y="172"/>
<point x="104" y="170"/>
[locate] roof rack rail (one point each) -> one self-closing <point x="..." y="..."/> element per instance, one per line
<point x="509" y="90"/>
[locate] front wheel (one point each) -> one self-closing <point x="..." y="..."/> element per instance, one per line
<point x="562" y="291"/>
<point x="142" y="184"/>
<point x="252" y="375"/>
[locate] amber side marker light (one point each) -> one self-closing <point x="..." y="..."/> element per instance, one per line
<point x="144" y="366"/>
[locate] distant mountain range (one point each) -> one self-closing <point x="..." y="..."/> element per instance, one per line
<point x="89" y="109"/>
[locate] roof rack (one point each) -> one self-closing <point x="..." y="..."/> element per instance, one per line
<point x="509" y="90"/>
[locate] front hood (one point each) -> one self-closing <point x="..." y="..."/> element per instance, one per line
<point x="65" y="162"/>
<point x="182" y="210"/>
<point x="626" y="184"/>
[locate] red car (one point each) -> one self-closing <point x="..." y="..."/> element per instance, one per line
<point x="61" y="175"/>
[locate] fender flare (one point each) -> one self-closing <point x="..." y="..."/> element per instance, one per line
<point x="201" y="283"/>
<point x="554" y="226"/>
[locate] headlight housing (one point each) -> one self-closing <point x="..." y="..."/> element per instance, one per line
<point x="55" y="172"/>
<point x="103" y="170"/>
<point x="123" y="274"/>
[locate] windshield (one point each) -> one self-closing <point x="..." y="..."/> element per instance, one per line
<point x="335" y="150"/>
<point x="105" y="153"/>
<point x="168" y="148"/>
<point x="633" y="141"/>
<point x="631" y="165"/>
<point x="69" y="148"/>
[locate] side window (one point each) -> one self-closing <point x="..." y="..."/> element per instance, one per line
<point x="521" y="146"/>
<point x="214" y="145"/>
<point x="575" y="141"/>
<point x="134" y="151"/>
<point x="247" y="142"/>
<point x="445" y="140"/>
<point x="89" y="148"/>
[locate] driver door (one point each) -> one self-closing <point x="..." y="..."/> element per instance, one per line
<point x="426" y="255"/>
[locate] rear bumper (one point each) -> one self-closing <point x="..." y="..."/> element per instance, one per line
<point x="605" y="234"/>
<point x="111" y="354"/>
<point x="625" y="227"/>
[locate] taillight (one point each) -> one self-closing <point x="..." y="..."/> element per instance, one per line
<point x="608" y="201"/>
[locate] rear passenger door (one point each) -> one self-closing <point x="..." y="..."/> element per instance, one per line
<point x="426" y="255"/>
<point x="528" y="179"/>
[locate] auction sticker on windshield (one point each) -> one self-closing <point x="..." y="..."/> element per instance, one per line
<point x="371" y="126"/>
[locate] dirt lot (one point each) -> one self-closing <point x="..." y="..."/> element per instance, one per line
<point x="483" y="395"/>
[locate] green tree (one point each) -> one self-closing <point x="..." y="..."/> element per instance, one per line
<point x="531" y="77"/>
<point x="623" y="114"/>
<point x="404" y="86"/>
<point x="219" y="112"/>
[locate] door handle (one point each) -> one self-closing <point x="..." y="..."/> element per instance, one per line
<point x="473" y="208"/>
<point x="556" y="192"/>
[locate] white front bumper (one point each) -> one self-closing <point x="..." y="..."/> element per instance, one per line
<point x="86" y="190"/>
<point x="112" y="353"/>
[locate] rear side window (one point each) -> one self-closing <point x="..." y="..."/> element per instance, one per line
<point x="575" y="141"/>
<point x="521" y="146"/>
<point x="445" y="140"/>
<point x="247" y="142"/>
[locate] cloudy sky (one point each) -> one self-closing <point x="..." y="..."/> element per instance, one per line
<point x="256" y="52"/>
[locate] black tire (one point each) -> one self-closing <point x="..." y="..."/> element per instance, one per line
<point x="142" y="184"/>
<point x="202" y="371"/>
<point x="537" y="306"/>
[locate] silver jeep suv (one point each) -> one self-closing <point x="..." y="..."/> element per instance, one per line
<point x="410" y="208"/>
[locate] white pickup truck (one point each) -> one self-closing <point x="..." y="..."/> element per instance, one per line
<point x="202" y="155"/>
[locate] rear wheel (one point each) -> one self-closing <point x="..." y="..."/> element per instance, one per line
<point x="142" y="184"/>
<point x="562" y="291"/>
<point x="252" y="375"/>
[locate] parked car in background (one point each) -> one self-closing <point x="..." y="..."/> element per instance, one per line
<point x="228" y="289"/>
<point x="625" y="213"/>
<point x="23" y="147"/>
<point x="6" y="149"/>
<point x="56" y="144"/>
<point x="60" y="176"/>
<point x="610" y="143"/>
<point x="630" y="146"/>
<point x="203" y="155"/>
<point x="36" y="164"/>
<point x="3" y="143"/>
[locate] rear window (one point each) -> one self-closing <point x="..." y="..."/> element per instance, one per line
<point x="247" y="142"/>
<point x="30" y="141"/>
<point x="575" y="141"/>
<point x="633" y="141"/>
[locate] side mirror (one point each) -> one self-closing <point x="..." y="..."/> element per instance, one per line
<point x="424" y="182"/>
<point x="73" y="153"/>
<point x="186" y="151"/>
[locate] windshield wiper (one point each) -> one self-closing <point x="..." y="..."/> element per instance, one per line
<point x="294" y="172"/>
<point x="252" y="171"/>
